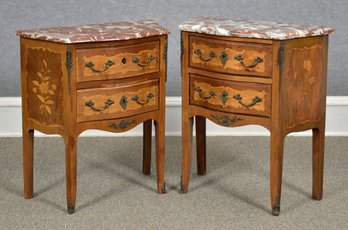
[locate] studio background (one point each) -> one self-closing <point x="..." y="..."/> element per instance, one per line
<point x="17" y="14"/>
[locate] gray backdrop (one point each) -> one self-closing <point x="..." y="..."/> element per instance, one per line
<point x="17" y="14"/>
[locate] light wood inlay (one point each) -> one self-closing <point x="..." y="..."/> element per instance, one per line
<point x="228" y="63"/>
<point x="225" y="93"/>
<point x="116" y="94"/>
<point x="117" y="62"/>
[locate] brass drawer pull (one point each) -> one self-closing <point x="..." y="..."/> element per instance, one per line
<point x="198" y="52"/>
<point x="240" y="58"/>
<point x="223" y="57"/>
<point x="108" y="64"/>
<point x="90" y="104"/>
<point x="149" y="60"/>
<point x="224" y="97"/>
<point x="202" y="95"/>
<point x="255" y="100"/>
<point x="148" y="98"/>
<point x="122" y="125"/>
<point x="226" y="120"/>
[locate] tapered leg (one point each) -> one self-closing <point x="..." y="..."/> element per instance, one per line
<point x="277" y="148"/>
<point x="28" y="161"/>
<point x="147" y="132"/>
<point x="160" y="155"/>
<point x="318" y="162"/>
<point x="187" y="124"/>
<point x="201" y="145"/>
<point x="71" y="168"/>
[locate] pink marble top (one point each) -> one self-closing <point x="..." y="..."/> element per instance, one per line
<point x="252" y="29"/>
<point x="97" y="33"/>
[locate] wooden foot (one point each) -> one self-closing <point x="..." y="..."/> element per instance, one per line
<point x="277" y="148"/>
<point x="318" y="162"/>
<point x="147" y="132"/>
<point x="28" y="161"/>
<point x="71" y="168"/>
<point x="187" y="124"/>
<point x="201" y="145"/>
<point x="160" y="155"/>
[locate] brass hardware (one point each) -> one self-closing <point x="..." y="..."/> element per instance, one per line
<point x="198" y="52"/>
<point x="225" y="120"/>
<point x="124" y="60"/>
<point x="108" y="64"/>
<point x="201" y="93"/>
<point x="149" y="60"/>
<point x="71" y="209"/>
<point x="165" y="54"/>
<point x="276" y="207"/>
<point x="182" y="44"/>
<point x="68" y="65"/>
<point x="223" y="57"/>
<point x="255" y="100"/>
<point x="224" y="97"/>
<point x="122" y="125"/>
<point x="281" y="55"/>
<point x="163" y="189"/>
<point x="90" y="104"/>
<point x="123" y="102"/>
<point x="240" y="58"/>
<point x="148" y="98"/>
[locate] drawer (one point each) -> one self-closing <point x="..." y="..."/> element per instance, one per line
<point x="117" y="62"/>
<point x="240" y="58"/>
<point x="229" y="96"/>
<point x="116" y="102"/>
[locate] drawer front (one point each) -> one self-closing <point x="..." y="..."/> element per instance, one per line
<point x="231" y="57"/>
<point x="116" y="102"/>
<point x="229" y="96"/>
<point x="117" y="62"/>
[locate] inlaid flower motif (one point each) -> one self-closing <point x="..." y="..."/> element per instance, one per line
<point x="43" y="89"/>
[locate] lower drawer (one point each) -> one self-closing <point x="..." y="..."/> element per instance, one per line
<point x="116" y="102"/>
<point x="229" y="96"/>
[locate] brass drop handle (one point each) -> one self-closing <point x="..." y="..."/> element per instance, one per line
<point x="198" y="52"/>
<point x="136" y="98"/>
<point x="255" y="100"/>
<point x="240" y="58"/>
<point x="136" y="60"/>
<point x="108" y="64"/>
<point x="226" y="120"/>
<point x="202" y="95"/>
<point x="90" y="104"/>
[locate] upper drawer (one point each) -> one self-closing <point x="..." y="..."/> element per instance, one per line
<point x="117" y="62"/>
<point x="231" y="57"/>
<point x="230" y="96"/>
<point x="116" y="102"/>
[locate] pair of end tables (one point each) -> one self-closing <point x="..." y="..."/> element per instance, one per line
<point x="112" y="77"/>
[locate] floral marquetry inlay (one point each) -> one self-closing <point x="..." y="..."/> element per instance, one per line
<point x="45" y="78"/>
<point x="44" y="89"/>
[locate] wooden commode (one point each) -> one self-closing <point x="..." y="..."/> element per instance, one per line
<point x="109" y="77"/>
<point x="238" y="72"/>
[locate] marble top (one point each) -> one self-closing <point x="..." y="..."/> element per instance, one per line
<point x="97" y="32"/>
<point x="252" y="29"/>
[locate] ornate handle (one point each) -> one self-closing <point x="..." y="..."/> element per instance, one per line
<point x="202" y="95"/>
<point x="198" y="52"/>
<point x="149" y="60"/>
<point x="240" y="58"/>
<point x="225" y="120"/>
<point x="90" y="104"/>
<point x="254" y="101"/>
<point x="108" y="64"/>
<point x="148" y="98"/>
<point x="122" y="125"/>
